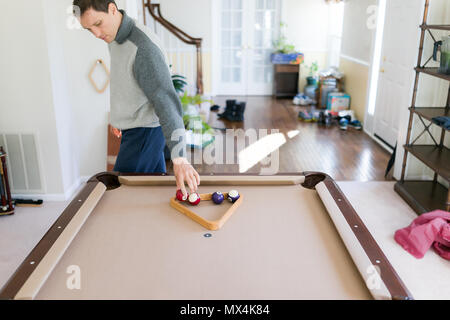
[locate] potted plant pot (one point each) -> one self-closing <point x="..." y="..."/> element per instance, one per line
<point x="311" y="87"/>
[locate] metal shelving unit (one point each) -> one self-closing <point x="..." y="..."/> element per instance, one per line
<point x="425" y="196"/>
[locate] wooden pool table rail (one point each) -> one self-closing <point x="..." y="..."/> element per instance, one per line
<point x="25" y="275"/>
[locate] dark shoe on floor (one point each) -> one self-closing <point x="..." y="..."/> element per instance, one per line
<point x="355" y="124"/>
<point x="343" y="124"/>
<point x="321" y="117"/>
<point x="328" y="119"/>
<point x="349" y="118"/>
<point x="229" y="110"/>
<point x="315" y="115"/>
<point x="240" y="110"/>
<point x="231" y="105"/>
<point x="305" y="116"/>
<point x="234" y="111"/>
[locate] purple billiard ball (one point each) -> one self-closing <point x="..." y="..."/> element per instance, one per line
<point x="233" y="195"/>
<point x="217" y="197"/>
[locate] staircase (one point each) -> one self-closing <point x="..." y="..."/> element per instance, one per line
<point x="184" y="51"/>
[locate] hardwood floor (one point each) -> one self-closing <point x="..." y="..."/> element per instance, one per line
<point x="344" y="155"/>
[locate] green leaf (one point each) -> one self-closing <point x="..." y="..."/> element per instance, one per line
<point x="178" y="82"/>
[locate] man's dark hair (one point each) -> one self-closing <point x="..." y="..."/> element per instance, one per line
<point x="97" y="5"/>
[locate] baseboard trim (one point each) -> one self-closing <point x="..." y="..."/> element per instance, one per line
<point x="68" y="195"/>
<point x="54" y="197"/>
<point x="380" y="143"/>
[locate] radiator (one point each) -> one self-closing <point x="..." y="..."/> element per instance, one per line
<point x="23" y="162"/>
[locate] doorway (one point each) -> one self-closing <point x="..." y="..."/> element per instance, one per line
<point x="395" y="51"/>
<point x="245" y="31"/>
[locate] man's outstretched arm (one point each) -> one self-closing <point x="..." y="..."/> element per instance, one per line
<point x="153" y="76"/>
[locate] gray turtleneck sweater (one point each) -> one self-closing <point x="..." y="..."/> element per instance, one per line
<point x="142" y="92"/>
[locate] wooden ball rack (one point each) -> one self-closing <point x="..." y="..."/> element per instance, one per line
<point x="208" y="224"/>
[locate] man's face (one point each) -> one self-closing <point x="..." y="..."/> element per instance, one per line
<point x="102" y="25"/>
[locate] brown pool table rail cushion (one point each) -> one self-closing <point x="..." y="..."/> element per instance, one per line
<point x="208" y="224"/>
<point x="39" y="264"/>
<point x="232" y="180"/>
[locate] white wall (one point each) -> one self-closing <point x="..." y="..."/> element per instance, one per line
<point x="45" y="90"/>
<point x="61" y="99"/>
<point x="309" y="29"/>
<point x="89" y="109"/>
<point x="307" y="22"/>
<point x="357" y="38"/>
<point x="356" y="53"/>
<point x="26" y="96"/>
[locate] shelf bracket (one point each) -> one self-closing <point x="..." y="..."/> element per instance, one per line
<point x="425" y="130"/>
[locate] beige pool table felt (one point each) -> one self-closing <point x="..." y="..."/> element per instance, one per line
<point x="378" y="205"/>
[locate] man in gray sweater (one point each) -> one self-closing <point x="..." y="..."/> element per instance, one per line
<point x="144" y="104"/>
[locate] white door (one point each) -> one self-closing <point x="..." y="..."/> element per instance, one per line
<point x="398" y="58"/>
<point x="262" y="31"/>
<point x="247" y="31"/>
<point x="231" y="47"/>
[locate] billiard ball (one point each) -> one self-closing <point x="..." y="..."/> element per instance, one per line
<point x="194" y="199"/>
<point x="217" y="197"/>
<point x="180" y="196"/>
<point x="233" y="195"/>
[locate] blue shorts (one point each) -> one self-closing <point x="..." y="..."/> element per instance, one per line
<point x="141" y="151"/>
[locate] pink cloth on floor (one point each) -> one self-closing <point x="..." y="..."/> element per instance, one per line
<point x="429" y="229"/>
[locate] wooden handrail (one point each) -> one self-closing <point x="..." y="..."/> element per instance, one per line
<point x="190" y="40"/>
<point x="155" y="12"/>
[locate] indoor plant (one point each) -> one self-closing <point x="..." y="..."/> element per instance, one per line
<point x="311" y="86"/>
<point x="179" y="83"/>
<point x="194" y="123"/>
<point x="285" y="52"/>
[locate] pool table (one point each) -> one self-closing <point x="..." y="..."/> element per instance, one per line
<point x="293" y="237"/>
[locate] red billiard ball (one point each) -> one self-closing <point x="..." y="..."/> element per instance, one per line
<point x="194" y="199"/>
<point x="180" y="196"/>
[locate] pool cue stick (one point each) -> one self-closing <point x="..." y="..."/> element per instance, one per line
<point x="5" y="176"/>
<point x="2" y="189"/>
<point x="28" y="203"/>
<point x="2" y="192"/>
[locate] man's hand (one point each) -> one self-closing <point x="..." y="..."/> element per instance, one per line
<point x="116" y="132"/>
<point x="184" y="172"/>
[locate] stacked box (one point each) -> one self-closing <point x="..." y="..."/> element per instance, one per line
<point x="338" y="101"/>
